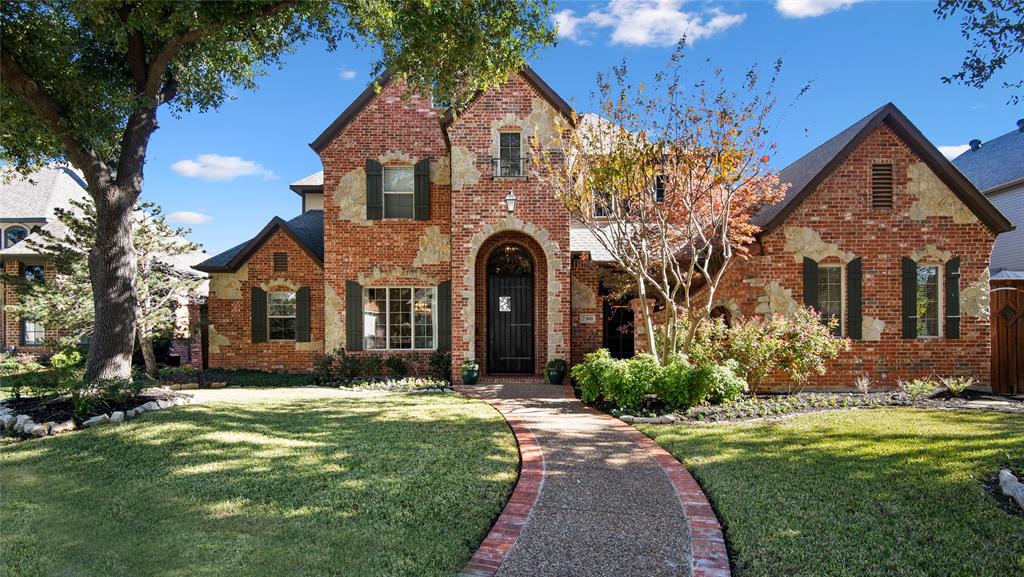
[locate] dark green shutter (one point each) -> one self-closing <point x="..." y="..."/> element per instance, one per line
<point x="374" y="190"/>
<point x="302" y="317"/>
<point x="422" y="190"/>
<point x="810" y="283"/>
<point x="854" y="300"/>
<point x="353" y="316"/>
<point x="259" y="315"/>
<point x="909" y="298"/>
<point x="953" y="298"/>
<point x="444" y="316"/>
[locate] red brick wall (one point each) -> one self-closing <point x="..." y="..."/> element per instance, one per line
<point x="11" y="323"/>
<point x="231" y="318"/>
<point x="388" y="124"/>
<point x="586" y="338"/>
<point x="479" y="205"/>
<point x="840" y="211"/>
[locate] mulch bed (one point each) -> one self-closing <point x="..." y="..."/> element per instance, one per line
<point x="61" y="408"/>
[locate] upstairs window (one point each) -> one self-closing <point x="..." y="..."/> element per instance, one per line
<point x="603" y="204"/>
<point x="510" y="158"/>
<point x="927" y="301"/>
<point x="13" y="235"/>
<point x="399" y="192"/>
<point x="830" y="296"/>
<point x="280" y="262"/>
<point x="881" y="186"/>
<point x="659" y="188"/>
<point x="281" y="309"/>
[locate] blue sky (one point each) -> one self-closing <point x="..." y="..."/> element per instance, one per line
<point x="228" y="171"/>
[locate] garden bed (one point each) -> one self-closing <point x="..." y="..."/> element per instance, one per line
<point x="61" y="408"/>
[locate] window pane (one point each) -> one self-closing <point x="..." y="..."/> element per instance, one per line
<point x="374" y="320"/>
<point x="830" y="296"/>
<point x="32" y="333"/>
<point x="398" y="179"/>
<point x="424" y="318"/>
<point x="14" y="235"/>
<point x="927" y="301"/>
<point x="400" y="318"/>
<point x="281" y="304"/>
<point x="399" y="206"/>
<point x="510" y="154"/>
<point x="33" y="272"/>
<point x="282" y="329"/>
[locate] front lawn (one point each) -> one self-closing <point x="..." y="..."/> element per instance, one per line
<point x="860" y="493"/>
<point x="261" y="482"/>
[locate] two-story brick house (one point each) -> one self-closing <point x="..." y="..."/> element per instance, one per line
<point x="426" y="231"/>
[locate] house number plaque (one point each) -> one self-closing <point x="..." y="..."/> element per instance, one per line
<point x="588" y="319"/>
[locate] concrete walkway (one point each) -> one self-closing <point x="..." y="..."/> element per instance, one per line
<point x="605" y="506"/>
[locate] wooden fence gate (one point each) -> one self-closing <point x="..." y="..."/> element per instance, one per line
<point x="1007" y="309"/>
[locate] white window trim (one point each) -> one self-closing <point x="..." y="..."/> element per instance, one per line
<point x="411" y="193"/>
<point x="412" y="320"/>
<point x="3" y="234"/>
<point x="842" y="294"/>
<point x="24" y="333"/>
<point x="940" y="289"/>
<point x="295" y="316"/>
<point x="522" y="169"/>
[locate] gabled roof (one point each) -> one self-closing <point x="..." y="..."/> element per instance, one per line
<point x="33" y="198"/>
<point x="538" y="84"/>
<point x="996" y="163"/>
<point x="307" y="230"/>
<point x="810" y="170"/>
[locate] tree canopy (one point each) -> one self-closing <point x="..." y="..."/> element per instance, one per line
<point x="995" y="29"/>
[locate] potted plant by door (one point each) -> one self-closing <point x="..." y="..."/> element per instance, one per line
<point x="470" y="371"/>
<point x="554" y="370"/>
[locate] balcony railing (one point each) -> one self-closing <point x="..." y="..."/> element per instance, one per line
<point x="510" y="167"/>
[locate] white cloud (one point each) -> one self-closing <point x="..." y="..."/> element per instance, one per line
<point x="646" y="22"/>
<point x="811" y="8"/>
<point x="953" y="151"/>
<point x="188" y="217"/>
<point x="219" y="168"/>
<point x="346" y="74"/>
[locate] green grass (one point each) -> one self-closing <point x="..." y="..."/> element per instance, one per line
<point x="304" y="482"/>
<point x="859" y="493"/>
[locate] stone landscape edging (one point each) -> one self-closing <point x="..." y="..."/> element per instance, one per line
<point x="516" y="512"/>
<point x="708" y="554"/>
<point x="24" y="425"/>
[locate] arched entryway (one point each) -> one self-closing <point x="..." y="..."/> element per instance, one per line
<point x="510" y="310"/>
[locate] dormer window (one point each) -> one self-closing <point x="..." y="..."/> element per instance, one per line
<point x="659" y="188"/>
<point x="510" y="156"/>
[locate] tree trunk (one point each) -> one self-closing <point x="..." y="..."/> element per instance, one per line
<point x="652" y="340"/>
<point x="112" y="272"/>
<point x="148" y="355"/>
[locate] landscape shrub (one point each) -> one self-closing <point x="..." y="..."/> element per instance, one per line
<point x="253" y="378"/>
<point x="721" y="383"/>
<point x="956" y="385"/>
<point x="370" y="366"/>
<point x="178" y="375"/>
<point x="441" y="365"/>
<point x="677" y="388"/>
<point x="590" y="375"/>
<point x="630" y="381"/>
<point x="324" y="370"/>
<point x="396" y="366"/>
<point x="918" y="388"/>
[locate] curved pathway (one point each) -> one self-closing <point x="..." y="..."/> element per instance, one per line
<point x="595" y="497"/>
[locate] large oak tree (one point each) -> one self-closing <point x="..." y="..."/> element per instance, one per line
<point x="83" y="80"/>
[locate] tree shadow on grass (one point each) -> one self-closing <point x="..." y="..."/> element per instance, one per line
<point x="880" y="492"/>
<point x="387" y="485"/>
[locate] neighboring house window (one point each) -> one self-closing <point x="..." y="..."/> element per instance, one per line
<point x="881" y="186"/>
<point x="399" y="318"/>
<point x="280" y="262"/>
<point x="927" y="301"/>
<point x="603" y="204"/>
<point x="32" y="333"/>
<point x="830" y="295"/>
<point x="399" y="192"/>
<point x="659" y="188"/>
<point x="510" y="154"/>
<point x="281" y="309"/>
<point x="33" y="272"/>
<point x="437" y="101"/>
<point x="14" y="235"/>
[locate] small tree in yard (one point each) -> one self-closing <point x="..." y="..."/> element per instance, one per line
<point x="64" y="300"/>
<point x="82" y="80"/>
<point x="667" y="180"/>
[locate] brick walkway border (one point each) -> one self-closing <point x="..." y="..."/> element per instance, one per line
<point x="499" y="541"/>
<point x="707" y="544"/>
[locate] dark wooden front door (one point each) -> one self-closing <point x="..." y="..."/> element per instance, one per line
<point x="510" y="311"/>
<point x="1007" y="314"/>
<point x="618" y="328"/>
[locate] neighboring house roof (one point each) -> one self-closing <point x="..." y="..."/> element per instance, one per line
<point x="997" y="163"/>
<point x="27" y="247"/>
<point x="361" y="101"/>
<point x="311" y="183"/>
<point x="307" y="230"/>
<point x="810" y="170"/>
<point x="582" y="239"/>
<point x="34" y="197"/>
